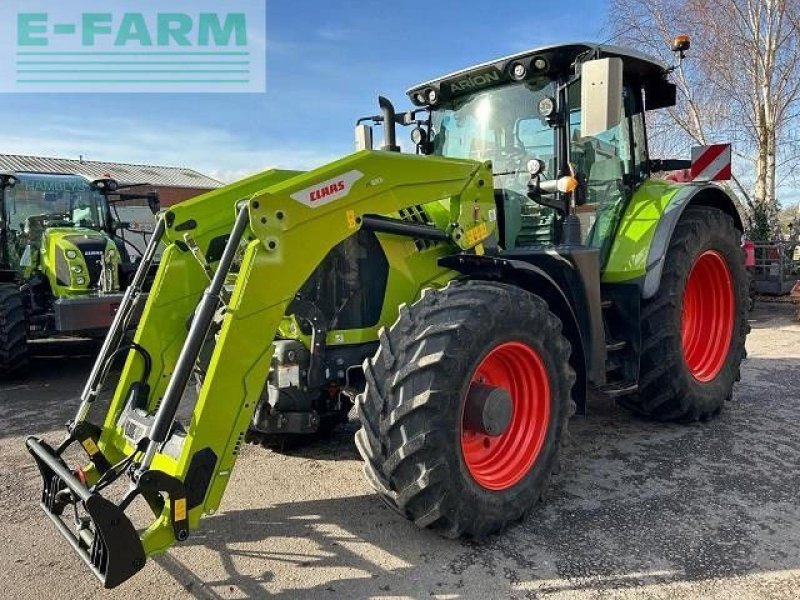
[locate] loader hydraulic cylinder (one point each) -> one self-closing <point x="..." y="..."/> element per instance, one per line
<point x="194" y="341"/>
<point x="120" y="323"/>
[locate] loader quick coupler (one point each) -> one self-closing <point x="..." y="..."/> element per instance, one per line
<point x="96" y="527"/>
<point x="105" y="539"/>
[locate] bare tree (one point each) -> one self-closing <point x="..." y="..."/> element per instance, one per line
<point x="740" y="84"/>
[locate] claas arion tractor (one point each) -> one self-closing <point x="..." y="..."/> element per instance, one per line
<point x="467" y="298"/>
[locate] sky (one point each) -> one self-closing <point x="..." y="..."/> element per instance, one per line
<point x="326" y="64"/>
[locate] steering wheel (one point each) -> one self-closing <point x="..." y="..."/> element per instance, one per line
<point x="57" y="218"/>
<point x="513" y="159"/>
<point x="48" y="220"/>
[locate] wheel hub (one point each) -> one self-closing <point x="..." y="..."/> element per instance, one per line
<point x="488" y="409"/>
<point x="506" y="416"/>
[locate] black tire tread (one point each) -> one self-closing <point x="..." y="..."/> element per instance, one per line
<point x="13" y="333"/>
<point x="664" y="393"/>
<point x="399" y="438"/>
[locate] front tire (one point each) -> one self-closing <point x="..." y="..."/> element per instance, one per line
<point x="694" y="328"/>
<point x="13" y="333"/>
<point x="421" y="453"/>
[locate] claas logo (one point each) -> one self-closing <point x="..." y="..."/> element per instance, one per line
<point x="328" y="190"/>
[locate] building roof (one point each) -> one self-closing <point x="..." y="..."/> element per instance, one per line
<point x="124" y="173"/>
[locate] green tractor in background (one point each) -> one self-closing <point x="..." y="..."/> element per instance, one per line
<point x="64" y="260"/>
<point x="468" y="298"/>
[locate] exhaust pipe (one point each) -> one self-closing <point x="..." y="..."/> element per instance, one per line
<point x="389" y="133"/>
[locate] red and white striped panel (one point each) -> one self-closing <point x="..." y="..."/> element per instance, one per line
<point x="711" y="163"/>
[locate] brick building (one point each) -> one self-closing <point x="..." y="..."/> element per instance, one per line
<point x="173" y="184"/>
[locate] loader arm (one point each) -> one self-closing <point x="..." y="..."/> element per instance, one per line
<point x="234" y="258"/>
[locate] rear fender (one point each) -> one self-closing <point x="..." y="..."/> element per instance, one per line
<point x="706" y="195"/>
<point x="640" y="245"/>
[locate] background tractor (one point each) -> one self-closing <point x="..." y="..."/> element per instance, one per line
<point x="63" y="259"/>
<point x="468" y="298"/>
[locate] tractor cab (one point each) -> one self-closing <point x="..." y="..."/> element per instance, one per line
<point x="564" y="129"/>
<point x="39" y="205"/>
<point x="571" y="111"/>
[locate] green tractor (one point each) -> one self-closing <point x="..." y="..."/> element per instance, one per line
<point x="468" y="298"/>
<point x="63" y="259"/>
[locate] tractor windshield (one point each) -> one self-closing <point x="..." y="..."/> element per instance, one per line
<point x="503" y="125"/>
<point x="39" y="201"/>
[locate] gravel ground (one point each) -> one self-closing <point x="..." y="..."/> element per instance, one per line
<point x="640" y="510"/>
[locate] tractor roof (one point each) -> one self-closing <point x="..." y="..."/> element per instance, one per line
<point x="558" y="58"/>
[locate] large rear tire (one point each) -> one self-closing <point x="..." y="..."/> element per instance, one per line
<point x="422" y="454"/>
<point x="13" y="333"/>
<point x="694" y="328"/>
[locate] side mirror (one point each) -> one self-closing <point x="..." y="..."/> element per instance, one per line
<point x="154" y="203"/>
<point x="601" y="95"/>
<point x="363" y="137"/>
<point x="26" y="260"/>
<point x="8" y="180"/>
<point x="105" y="185"/>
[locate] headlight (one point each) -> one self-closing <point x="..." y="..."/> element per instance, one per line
<point x="518" y="72"/>
<point x="80" y="281"/>
<point x="71" y="254"/>
<point x="547" y="107"/>
<point x="77" y="269"/>
<point x="535" y="167"/>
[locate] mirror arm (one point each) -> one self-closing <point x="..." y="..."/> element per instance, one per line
<point x="536" y="190"/>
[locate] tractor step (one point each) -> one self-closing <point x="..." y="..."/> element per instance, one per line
<point x="606" y="304"/>
<point x="617" y="389"/>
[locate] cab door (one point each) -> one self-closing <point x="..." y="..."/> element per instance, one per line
<point x="609" y="166"/>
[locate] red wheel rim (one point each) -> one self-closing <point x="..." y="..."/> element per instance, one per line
<point x="499" y="462"/>
<point x="708" y="316"/>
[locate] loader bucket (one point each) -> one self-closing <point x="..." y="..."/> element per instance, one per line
<point x="105" y="538"/>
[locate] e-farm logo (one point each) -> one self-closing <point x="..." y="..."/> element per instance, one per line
<point x="96" y="46"/>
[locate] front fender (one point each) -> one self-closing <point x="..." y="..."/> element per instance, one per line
<point x="570" y="288"/>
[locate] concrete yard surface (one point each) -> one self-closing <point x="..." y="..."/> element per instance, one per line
<point x="639" y="510"/>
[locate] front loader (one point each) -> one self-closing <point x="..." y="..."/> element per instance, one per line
<point x="467" y="298"/>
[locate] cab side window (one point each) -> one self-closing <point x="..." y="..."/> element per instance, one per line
<point x="604" y="165"/>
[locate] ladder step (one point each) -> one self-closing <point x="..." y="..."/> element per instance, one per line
<point x="617" y="389"/>
<point x="616" y="346"/>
